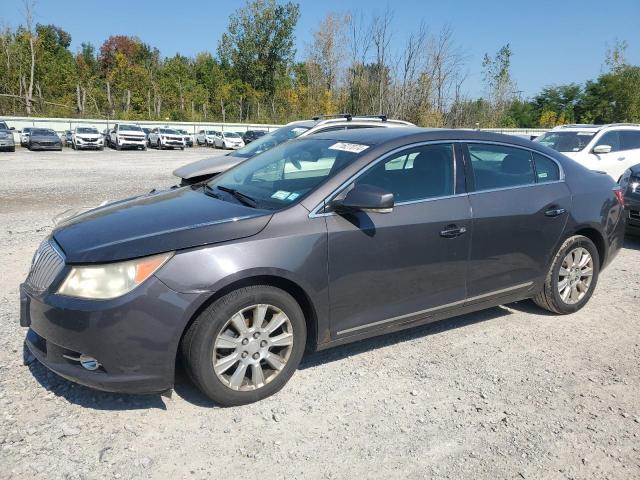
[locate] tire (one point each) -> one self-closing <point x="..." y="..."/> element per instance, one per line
<point x="181" y="148"/>
<point x="101" y="148"/>
<point x="118" y="147"/>
<point x="73" y="146"/>
<point x="550" y="298"/>
<point x="197" y="345"/>
<point x="159" y="145"/>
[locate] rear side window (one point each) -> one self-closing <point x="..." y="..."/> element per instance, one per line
<point x="415" y="174"/>
<point x="630" y="139"/>
<point x="496" y="166"/>
<point x="546" y="169"/>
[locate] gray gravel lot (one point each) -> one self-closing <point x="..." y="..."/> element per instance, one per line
<point x="510" y="392"/>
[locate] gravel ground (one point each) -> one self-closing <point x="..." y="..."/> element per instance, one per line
<point x="510" y="392"/>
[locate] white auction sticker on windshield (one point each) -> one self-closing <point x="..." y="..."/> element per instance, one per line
<point x="349" y="147"/>
<point x="280" y="194"/>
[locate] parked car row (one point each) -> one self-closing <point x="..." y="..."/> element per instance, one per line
<point x="218" y="139"/>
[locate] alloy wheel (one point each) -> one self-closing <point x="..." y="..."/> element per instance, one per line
<point x="253" y="347"/>
<point x="575" y="275"/>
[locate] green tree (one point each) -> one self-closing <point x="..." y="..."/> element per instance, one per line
<point x="259" y="43"/>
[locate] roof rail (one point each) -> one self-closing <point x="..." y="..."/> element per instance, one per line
<point x="348" y="116"/>
<point x="381" y="117"/>
<point x="622" y="124"/>
<point x="578" y="125"/>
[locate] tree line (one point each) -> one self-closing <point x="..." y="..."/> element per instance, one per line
<point x="352" y="64"/>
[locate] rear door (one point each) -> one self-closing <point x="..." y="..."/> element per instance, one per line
<point x="388" y="268"/>
<point x="520" y="206"/>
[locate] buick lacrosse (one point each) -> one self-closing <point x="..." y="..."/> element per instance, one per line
<point x="318" y="242"/>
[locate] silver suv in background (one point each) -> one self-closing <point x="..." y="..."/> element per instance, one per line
<point x="165" y="137"/>
<point x="206" y="138"/>
<point x="207" y="168"/>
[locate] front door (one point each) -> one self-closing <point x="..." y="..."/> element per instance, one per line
<point x="388" y="268"/>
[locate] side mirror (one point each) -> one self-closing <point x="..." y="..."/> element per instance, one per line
<point x="12" y="128"/>
<point x="602" y="149"/>
<point x="367" y="198"/>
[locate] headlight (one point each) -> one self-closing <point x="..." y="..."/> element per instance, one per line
<point x="110" y="280"/>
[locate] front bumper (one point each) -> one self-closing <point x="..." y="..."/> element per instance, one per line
<point x="41" y="146"/>
<point x="7" y="143"/>
<point x="134" y="338"/>
<point x="129" y="142"/>
<point x="89" y="144"/>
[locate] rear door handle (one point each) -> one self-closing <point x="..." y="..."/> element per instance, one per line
<point x="555" y="212"/>
<point x="452" y="231"/>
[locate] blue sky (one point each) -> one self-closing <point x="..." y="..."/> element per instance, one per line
<point x="553" y="41"/>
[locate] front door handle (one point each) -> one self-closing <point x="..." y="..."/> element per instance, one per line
<point x="452" y="231"/>
<point x="621" y="158"/>
<point x="555" y="212"/>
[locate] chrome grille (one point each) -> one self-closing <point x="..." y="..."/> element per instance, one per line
<point x="47" y="264"/>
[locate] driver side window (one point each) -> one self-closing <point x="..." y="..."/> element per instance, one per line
<point x="415" y="174"/>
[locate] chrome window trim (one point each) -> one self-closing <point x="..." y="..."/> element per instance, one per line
<point x="434" y="309"/>
<point x="314" y="212"/>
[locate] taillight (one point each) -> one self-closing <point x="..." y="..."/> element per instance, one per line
<point x="617" y="191"/>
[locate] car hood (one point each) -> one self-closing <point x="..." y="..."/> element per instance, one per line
<point x="154" y="223"/>
<point x="207" y="166"/>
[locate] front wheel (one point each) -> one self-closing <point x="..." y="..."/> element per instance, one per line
<point x="572" y="277"/>
<point x="245" y="346"/>
<point x="159" y="145"/>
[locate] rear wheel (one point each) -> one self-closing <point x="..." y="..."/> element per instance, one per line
<point x="572" y="277"/>
<point x="245" y="346"/>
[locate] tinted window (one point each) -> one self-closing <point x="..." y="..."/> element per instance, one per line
<point x="630" y="139"/>
<point x="415" y="174"/>
<point x="495" y="166"/>
<point x="612" y="139"/>
<point x="546" y="169"/>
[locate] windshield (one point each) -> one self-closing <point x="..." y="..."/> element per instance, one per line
<point x="86" y="130"/>
<point x="42" y="131"/>
<point x="210" y="132"/>
<point x="231" y="135"/>
<point x="168" y="131"/>
<point x="565" y="141"/>
<point x="270" y="140"/>
<point x="131" y="128"/>
<point x="183" y="132"/>
<point x="285" y="174"/>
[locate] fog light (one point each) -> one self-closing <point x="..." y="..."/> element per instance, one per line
<point x="89" y="363"/>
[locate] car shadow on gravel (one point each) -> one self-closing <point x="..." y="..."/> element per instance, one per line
<point x="632" y="242"/>
<point x="389" y="339"/>
<point x="87" y="397"/>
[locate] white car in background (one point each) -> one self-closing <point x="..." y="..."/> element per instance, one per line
<point x="24" y="136"/>
<point x="126" y="135"/>
<point x="86" y="137"/>
<point x="165" y="137"/>
<point x="609" y="148"/>
<point x="228" y="140"/>
<point x="206" y="138"/>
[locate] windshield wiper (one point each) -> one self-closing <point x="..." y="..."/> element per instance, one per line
<point x="243" y="198"/>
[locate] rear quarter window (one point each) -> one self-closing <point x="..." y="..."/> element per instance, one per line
<point x="546" y="169"/>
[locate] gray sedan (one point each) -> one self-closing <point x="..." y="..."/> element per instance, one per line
<point x="318" y="242"/>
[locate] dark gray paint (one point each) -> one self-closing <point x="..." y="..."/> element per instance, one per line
<point x="361" y="274"/>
